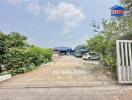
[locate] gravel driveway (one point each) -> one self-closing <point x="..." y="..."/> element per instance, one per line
<point x="65" y="78"/>
<point x="64" y="71"/>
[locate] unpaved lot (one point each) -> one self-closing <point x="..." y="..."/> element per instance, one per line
<point x="64" y="71"/>
<point x="66" y="78"/>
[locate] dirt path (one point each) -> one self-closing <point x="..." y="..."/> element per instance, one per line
<point x="67" y="78"/>
<point x="65" y="71"/>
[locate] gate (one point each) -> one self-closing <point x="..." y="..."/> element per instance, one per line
<point x="124" y="60"/>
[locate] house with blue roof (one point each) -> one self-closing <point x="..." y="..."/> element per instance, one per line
<point x="117" y="11"/>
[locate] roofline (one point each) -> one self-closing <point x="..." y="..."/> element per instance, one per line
<point x="117" y="6"/>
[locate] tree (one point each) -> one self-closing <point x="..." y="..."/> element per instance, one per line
<point x="12" y="40"/>
<point x="96" y="44"/>
<point x="18" y="56"/>
<point x="108" y="31"/>
<point x="15" y="39"/>
<point x="3" y="48"/>
<point x="128" y="5"/>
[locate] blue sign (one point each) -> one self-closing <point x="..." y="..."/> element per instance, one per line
<point x="117" y="11"/>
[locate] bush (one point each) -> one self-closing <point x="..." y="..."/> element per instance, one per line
<point x="18" y="56"/>
<point x="23" y="60"/>
<point x="18" y="61"/>
<point x="39" y="55"/>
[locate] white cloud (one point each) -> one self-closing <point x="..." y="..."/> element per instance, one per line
<point x="13" y="2"/>
<point x="34" y="8"/>
<point x="66" y="13"/>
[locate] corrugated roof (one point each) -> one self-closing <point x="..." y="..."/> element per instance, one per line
<point x="62" y="48"/>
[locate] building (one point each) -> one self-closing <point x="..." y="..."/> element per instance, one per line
<point x="63" y="50"/>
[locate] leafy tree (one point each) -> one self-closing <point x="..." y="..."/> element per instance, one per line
<point x="15" y="39"/>
<point x="128" y="6"/>
<point x="96" y="44"/>
<point x="11" y="40"/>
<point x="127" y="3"/>
<point x="108" y="31"/>
<point x="3" y="48"/>
<point x="18" y="56"/>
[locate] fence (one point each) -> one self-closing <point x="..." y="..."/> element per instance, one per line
<point x="124" y="60"/>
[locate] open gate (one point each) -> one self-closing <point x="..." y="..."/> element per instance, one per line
<point x="124" y="60"/>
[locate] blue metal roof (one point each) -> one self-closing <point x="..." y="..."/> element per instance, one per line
<point x="117" y="7"/>
<point x="62" y="48"/>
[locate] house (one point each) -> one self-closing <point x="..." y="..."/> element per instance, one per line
<point x="63" y="50"/>
<point x="117" y="11"/>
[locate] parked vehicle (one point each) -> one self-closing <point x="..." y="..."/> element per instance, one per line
<point x="79" y="53"/>
<point x="91" y="56"/>
<point x="80" y="50"/>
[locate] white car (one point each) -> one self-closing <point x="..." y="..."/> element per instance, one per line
<point x="91" y="56"/>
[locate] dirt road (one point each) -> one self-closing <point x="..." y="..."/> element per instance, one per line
<point x="65" y="71"/>
<point x="66" y="78"/>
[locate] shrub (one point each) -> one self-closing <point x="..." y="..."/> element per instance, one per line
<point x="18" y="56"/>
<point x="18" y="61"/>
<point x="23" y="60"/>
<point x="39" y="55"/>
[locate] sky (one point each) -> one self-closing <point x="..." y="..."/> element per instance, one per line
<point x="53" y="23"/>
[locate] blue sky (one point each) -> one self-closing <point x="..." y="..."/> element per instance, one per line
<point x="51" y="23"/>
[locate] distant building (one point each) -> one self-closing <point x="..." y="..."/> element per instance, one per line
<point x="79" y="47"/>
<point x="63" y="50"/>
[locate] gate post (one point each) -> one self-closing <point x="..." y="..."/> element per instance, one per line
<point x="118" y="60"/>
